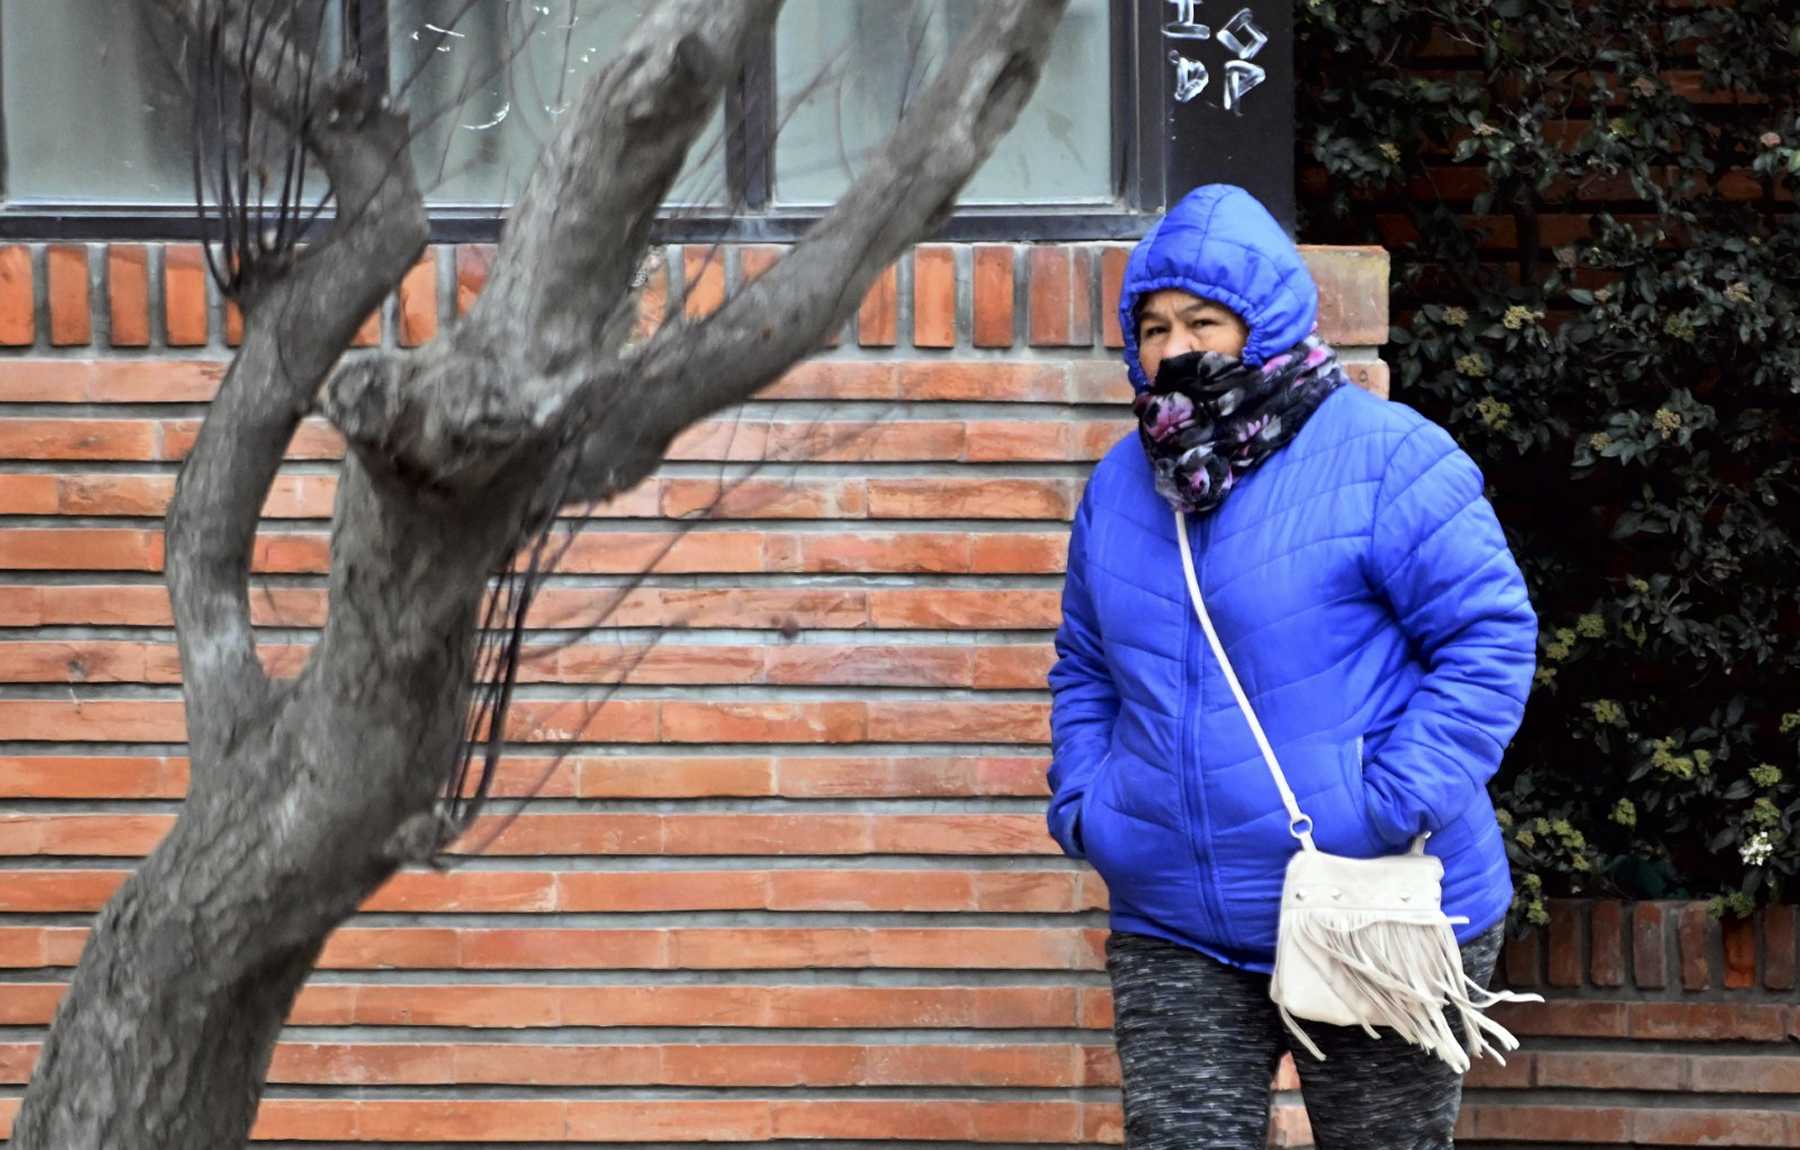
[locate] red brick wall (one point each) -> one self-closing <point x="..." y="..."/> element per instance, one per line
<point x="791" y="882"/>
<point x="1664" y="1027"/>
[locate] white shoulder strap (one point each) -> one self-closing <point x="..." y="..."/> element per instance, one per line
<point x="1300" y="825"/>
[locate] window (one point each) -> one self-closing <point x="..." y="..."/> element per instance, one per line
<point x="96" y="116"/>
<point x="845" y="68"/>
<point x="129" y="141"/>
<point x="489" y="90"/>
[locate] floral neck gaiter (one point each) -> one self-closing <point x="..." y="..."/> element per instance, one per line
<point x="1209" y="419"/>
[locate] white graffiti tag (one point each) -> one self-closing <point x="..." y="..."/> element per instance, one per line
<point x="1240" y="77"/>
<point x="1240" y="36"/>
<point x="1191" y="77"/>
<point x="1184" y="26"/>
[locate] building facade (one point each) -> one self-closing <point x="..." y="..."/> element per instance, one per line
<point x="781" y="871"/>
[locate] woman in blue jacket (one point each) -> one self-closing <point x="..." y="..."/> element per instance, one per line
<point x="1365" y="595"/>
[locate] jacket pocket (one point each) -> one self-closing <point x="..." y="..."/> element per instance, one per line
<point x="1083" y="821"/>
<point x="1087" y="796"/>
<point x="1359" y="840"/>
<point x="1350" y="766"/>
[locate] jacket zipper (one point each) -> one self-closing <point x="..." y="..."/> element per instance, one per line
<point x="1200" y="842"/>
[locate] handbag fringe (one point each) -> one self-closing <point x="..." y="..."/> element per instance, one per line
<point x="1407" y="969"/>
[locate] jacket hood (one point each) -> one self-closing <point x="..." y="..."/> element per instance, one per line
<point x="1221" y="244"/>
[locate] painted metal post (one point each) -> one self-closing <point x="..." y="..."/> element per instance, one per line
<point x="1226" y="92"/>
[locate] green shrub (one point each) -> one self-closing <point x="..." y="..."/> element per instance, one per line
<point x="1631" y="387"/>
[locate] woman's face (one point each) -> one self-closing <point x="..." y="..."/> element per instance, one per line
<point x="1172" y="322"/>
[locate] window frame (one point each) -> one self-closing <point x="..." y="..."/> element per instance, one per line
<point x="1155" y="155"/>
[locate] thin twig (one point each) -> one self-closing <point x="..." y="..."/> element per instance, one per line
<point x="536" y="571"/>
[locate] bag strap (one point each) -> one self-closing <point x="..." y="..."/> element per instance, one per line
<point x="1300" y="824"/>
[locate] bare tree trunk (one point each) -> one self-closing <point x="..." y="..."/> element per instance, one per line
<point x="306" y="795"/>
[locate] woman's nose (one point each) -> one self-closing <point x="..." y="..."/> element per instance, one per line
<point x="1180" y="342"/>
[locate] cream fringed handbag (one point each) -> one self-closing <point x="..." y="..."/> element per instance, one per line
<point x="1365" y="942"/>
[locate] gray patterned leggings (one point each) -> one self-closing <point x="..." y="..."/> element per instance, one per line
<point x="1199" y="1042"/>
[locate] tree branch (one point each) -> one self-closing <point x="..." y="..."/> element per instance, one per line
<point x="580" y="229"/>
<point x="298" y="318"/>
<point x="280" y="79"/>
<point x="692" y="368"/>
<point x="457" y="413"/>
<point x="462" y="415"/>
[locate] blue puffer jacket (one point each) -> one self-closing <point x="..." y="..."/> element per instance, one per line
<point x="1366" y="596"/>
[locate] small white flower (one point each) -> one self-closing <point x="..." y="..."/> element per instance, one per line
<point x="1757" y="849"/>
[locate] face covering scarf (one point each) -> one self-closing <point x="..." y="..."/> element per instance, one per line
<point x="1209" y="419"/>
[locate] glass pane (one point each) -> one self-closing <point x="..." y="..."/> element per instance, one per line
<point x="846" y="68"/>
<point x="120" y="73"/>
<point x="487" y="93"/>
<point x="103" y="66"/>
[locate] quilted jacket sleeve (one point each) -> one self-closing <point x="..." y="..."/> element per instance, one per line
<point x="1442" y="561"/>
<point x="1084" y="701"/>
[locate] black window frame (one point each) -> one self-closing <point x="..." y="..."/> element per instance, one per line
<point x="1160" y="148"/>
